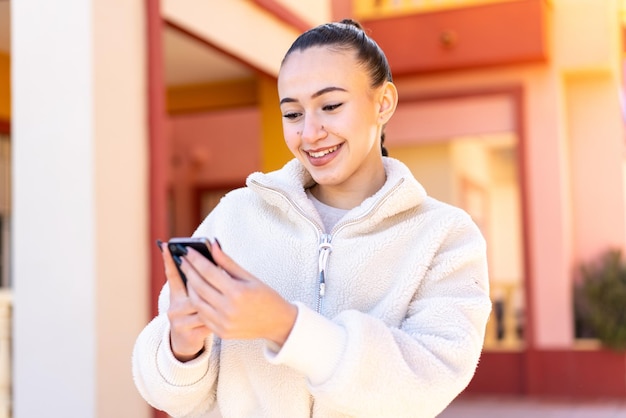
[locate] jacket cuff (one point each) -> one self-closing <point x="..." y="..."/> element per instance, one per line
<point x="313" y="347"/>
<point x="177" y="373"/>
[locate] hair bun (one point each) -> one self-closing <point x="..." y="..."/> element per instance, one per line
<point x="352" y="22"/>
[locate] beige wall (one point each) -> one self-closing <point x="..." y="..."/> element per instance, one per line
<point x="80" y="250"/>
<point x="432" y="166"/>
<point x="119" y="189"/>
<point x="505" y="239"/>
<point x="240" y="27"/>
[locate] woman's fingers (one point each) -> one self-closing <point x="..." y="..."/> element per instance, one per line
<point x="227" y="263"/>
<point x="187" y="330"/>
<point x="187" y="337"/>
<point x="220" y="277"/>
<point x="232" y="302"/>
<point x="212" y="290"/>
<point x="203" y="296"/>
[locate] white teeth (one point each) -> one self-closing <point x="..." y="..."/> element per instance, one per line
<point x="322" y="153"/>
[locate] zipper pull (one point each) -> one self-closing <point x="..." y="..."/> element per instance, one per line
<point x="325" y="248"/>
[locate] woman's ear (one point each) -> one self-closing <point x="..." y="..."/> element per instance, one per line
<point x="388" y="102"/>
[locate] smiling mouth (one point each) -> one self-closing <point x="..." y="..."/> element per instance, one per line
<point x="320" y="154"/>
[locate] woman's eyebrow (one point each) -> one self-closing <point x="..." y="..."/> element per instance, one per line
<point x="314" y="95"/>
<point x="326" y="90"/>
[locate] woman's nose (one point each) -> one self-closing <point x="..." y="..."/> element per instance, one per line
<point x="312" y="129"/>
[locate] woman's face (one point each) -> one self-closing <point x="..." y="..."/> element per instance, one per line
<point x="332" y="117"/>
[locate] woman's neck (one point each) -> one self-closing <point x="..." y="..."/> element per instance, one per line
<point x="351" y="195"/>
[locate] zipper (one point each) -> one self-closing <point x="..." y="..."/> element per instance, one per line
<point x="325" y="246"/>
<point x="325" y="240"/>
<point x="324" y="250"/>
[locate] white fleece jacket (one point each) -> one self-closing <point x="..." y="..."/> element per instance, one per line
<point x="401" y="322"/>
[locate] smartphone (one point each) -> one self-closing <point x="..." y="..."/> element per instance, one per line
<point x="178" y="248"/>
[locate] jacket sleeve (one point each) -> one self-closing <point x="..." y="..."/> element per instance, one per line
<point x="183" y="390"/>
<point x="359" y="366"/>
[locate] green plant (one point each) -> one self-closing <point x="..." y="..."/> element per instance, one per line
<point x="600" y="300"/>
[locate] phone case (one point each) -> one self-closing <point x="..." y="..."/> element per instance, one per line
<point x="178" y="249"/>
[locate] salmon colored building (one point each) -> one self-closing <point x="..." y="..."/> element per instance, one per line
<point x="124" y="121"/>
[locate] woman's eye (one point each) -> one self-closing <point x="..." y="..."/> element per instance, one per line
<point x="332" y="107"/>
<point x="291" y="115"/>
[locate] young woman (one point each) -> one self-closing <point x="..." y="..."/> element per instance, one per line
<point x="341" y="288"/>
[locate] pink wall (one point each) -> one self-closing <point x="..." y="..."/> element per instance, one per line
<point x="445" y="118"/>
<point x="212" y="150"/>
<point x="216" y="148"/>
<point x="596" y="156"/>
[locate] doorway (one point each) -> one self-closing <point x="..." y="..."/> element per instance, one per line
<point x="466" y="150"/>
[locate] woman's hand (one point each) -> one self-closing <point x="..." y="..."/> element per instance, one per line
<point x="187" y="331"/>
<point x="232" y="302"/>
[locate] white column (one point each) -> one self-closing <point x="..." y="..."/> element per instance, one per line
<point x="80" y="266"/>
<point x="5" y="353"/>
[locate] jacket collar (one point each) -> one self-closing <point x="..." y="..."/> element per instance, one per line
<point x="400" y="192"/>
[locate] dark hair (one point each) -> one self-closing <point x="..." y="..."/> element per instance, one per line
<point x="346" y="35"/>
